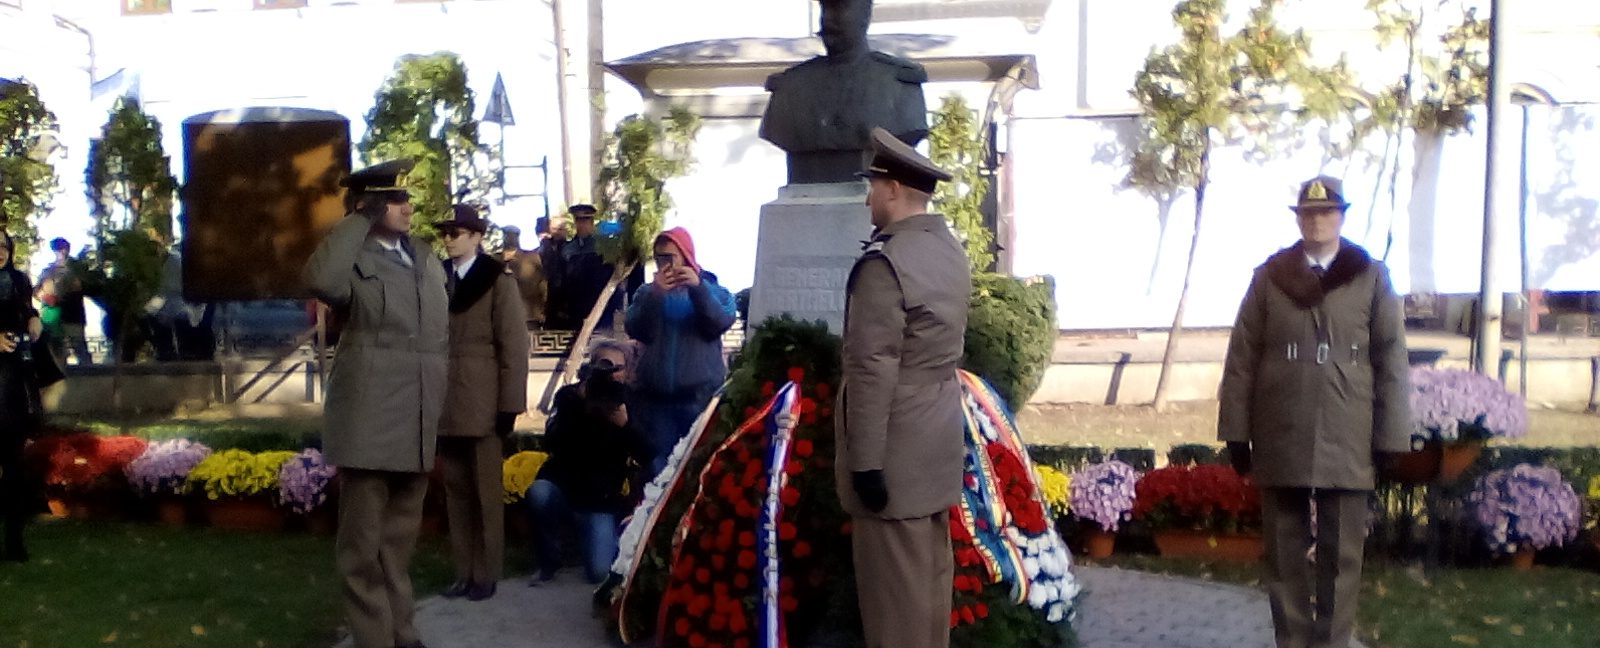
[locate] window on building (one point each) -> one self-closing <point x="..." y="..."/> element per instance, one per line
<point x="280" y="4"/>
<point x="141" y="7"/>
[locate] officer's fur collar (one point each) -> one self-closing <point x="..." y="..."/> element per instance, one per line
<point x="1291" y="273"/>
<point x="478" y="282"/>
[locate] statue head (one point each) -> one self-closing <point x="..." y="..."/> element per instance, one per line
<point x="844" y="27"/>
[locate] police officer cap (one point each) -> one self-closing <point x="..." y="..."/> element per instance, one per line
<point x="582" y="211"/>
<point x="1321" y="192"/>
<point x="895" y="160"/>
<point x="384" y="176"/>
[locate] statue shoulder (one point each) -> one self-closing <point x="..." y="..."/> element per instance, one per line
<point x="905" y="70"/>
<point x="798" y="71"/>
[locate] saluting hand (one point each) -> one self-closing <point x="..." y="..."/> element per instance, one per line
<point x="619" y="416"/>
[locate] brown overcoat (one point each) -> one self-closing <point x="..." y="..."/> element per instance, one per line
<point x="386" y="390"/>
<point x="900" y="405"/>
<point x="1314" y="414"/>
<point x="488" y="350"/>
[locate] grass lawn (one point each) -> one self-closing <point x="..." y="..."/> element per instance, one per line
<point x="1492" y="608"/>
<point x="252" y="434"/>
<point x="114" y="583"/>
<point x="1138" y="426"/>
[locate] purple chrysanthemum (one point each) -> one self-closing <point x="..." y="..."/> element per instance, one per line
<point x="303" y="481"/>
<point x="1103" y="493"/>
<point x="1452" y="404"/>
<point x="1525" y="506"/>
<point x="164" y="466"/>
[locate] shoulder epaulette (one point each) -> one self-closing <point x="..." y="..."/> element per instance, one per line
<point x="906" y="70"/>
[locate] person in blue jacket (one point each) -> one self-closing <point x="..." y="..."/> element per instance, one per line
<point x="679" y="319"/>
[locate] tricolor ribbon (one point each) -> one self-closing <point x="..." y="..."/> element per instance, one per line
<point x="780" y="435"/>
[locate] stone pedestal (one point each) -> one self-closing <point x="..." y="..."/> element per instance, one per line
<point x="808" y="240"/>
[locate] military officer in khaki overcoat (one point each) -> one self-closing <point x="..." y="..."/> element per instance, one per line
<point x="1314" y="395"/>
<point x="488" y="388"/>
<point x="384" y="397"/>
<point x="900" y="449"/>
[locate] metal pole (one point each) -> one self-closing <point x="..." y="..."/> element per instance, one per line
<point x="1522" y="220"/>
<point x="597" y="92"/>
<point x="561" y="102"/>
<point x="1489" y="297"/>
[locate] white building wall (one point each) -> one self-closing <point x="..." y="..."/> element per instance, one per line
<point x="1117" y="262"/>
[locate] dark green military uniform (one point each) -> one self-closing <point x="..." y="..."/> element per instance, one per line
<point x="385" y="395"/>
<point x="1316" y="384"/>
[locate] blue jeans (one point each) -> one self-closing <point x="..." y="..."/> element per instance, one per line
<point x="665" y="420"/>
<point x="597" y="532"/>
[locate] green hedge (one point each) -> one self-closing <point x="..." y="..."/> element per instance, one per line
<point x="1011" y="334"/>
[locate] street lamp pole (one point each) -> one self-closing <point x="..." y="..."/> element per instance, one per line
<point x="1489" y="297"/>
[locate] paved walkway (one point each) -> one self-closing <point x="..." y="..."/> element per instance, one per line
<point x="1121" y="609"/>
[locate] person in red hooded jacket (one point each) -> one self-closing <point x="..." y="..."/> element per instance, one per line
<point x="679" y="319"/>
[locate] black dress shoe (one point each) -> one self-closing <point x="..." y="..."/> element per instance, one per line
<point x="414" y="644"/>
<point x="457" y="589"/>
<point x="480" y="592"/>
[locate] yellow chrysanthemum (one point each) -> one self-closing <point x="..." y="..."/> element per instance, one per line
<point x="1594" y="487"/>
<point x="237" y="472"/>
<point x="1056" y="488"/>
<point x="519" y="472"/>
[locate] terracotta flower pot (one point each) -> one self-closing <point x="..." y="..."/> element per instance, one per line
<point x="1100" y="543"/>
<point x="172" y="510"/>
<point x="58" y="507"/>
<point x="75" y="506"/>
<point x="1523" y="559"/>
<point x="1210" y="546"/>
<point x="1456" y="458"/>
<point x="245" y="514"/>
<point x="1418" y="467"/>
<point x="1436" y="462"/>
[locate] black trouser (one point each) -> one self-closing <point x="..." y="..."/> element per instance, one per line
<point x="15" y="491"/>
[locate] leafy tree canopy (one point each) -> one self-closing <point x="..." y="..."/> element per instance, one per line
<point x="424" y="111"/>
<point x="27" y="179"/>
<point x="956" y="144"/>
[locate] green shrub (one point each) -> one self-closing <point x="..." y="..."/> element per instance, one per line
<point x="1011" y="334"/>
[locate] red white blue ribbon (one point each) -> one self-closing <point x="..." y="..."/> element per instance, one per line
<point x="780" y="435"/>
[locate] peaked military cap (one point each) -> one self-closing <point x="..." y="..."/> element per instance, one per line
<point x="464" y="217"/>
<point x="1321" y="192"/>
<point x="895" y="160"/>
<point x="582" y="211"/>
<point x="383" y="176"/>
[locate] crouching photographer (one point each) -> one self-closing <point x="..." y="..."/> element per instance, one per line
<point x="594" y="454"/>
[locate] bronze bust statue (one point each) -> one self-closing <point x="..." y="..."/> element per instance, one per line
<point x="822" y="111"/>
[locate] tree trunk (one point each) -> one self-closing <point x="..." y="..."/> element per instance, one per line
<point x="1188" y="272"/>
<point x="568" y="366"/>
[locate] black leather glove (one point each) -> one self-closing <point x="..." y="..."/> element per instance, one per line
<point x="504" y="422"/>
<point x="872" y="490"/>
<point x="1239" y="456"/>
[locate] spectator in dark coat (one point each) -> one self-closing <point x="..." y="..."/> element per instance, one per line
<point x="591" y="475"/>
<point x="19" y="398"/>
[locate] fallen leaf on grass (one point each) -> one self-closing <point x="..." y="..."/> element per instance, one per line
<point x="1516" y="631"/>
<point x="110" y="638"/>
<point x="1494" y="620"/>
<point x="198" y="630"/>
<point x="1464" y="639"/>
